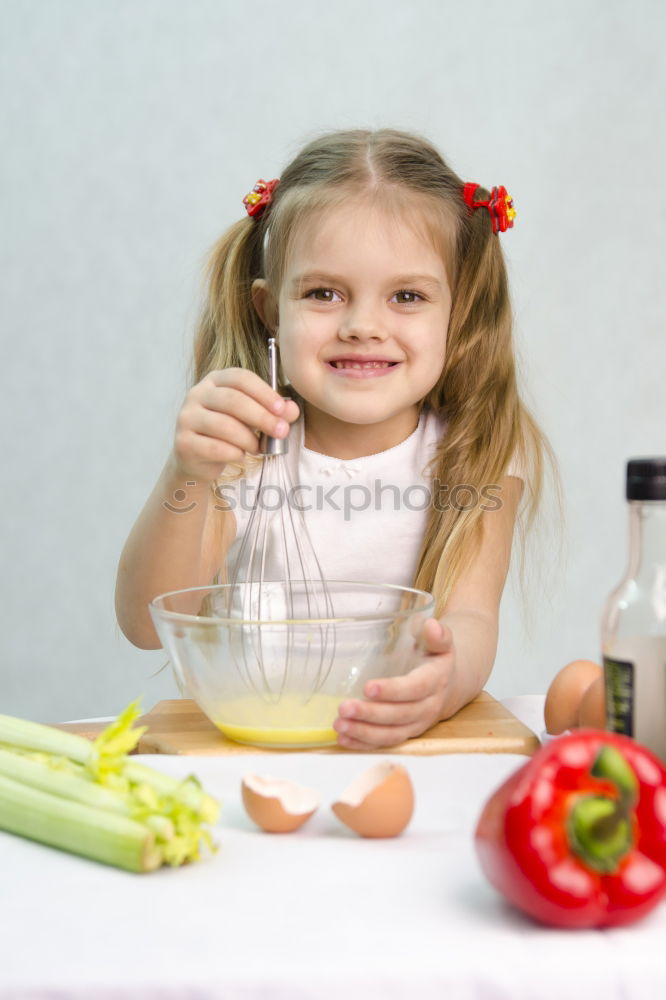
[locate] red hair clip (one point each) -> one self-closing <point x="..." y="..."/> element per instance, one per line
<point x="500" y="206"/>
<point x="260" y="197"/>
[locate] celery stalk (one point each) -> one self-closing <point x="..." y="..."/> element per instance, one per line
<point x="36" y="736"/>
<point x="40" y="775"/>
<point x="110" y="747"/>
<point x="161" y="826"/>
<point x="61" y="783"/>
<point x="71" y="826"/>
<point x="89" y="798"/>
<point x="188" y="791"/>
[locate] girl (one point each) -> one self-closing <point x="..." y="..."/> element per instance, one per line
<point x="381" y="275"/>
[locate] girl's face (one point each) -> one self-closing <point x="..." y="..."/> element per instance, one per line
<point x="363" y="315"/>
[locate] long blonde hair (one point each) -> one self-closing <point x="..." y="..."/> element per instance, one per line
<point x="487" y="424"/>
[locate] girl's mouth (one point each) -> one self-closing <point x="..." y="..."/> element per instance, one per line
<point x="361" y="369"/>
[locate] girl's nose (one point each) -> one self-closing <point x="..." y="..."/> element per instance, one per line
<point x="361" y="324"/>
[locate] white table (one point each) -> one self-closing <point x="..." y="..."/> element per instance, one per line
<point x="317" y="914"/>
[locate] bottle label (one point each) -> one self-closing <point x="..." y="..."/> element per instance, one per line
<point x="619" y="684"/>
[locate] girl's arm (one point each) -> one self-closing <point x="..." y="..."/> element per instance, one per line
<point x="472" y="611"/>
<point x="462" y="646"/>
<point x="180" y="538"/>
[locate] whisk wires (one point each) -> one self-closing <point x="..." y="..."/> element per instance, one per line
<point x="277" y="586"/>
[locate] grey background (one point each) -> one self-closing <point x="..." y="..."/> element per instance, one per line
<point x="130" y="132"/>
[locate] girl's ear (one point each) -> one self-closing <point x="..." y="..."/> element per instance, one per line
<point x="265" y="304"/>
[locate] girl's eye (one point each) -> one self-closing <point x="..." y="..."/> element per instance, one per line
<point x="406" y="298"/>
<point x="322" y="295"/>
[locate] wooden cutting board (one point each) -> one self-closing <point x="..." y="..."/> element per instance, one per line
<point x="179" y="726"/>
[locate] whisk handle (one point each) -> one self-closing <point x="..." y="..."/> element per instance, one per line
<point x="272" y="362"/>
<point x="269" y="445"/>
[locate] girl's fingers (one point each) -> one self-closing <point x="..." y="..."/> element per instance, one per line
<point x="220" y="418"/>
<point x="415" y="686"/>
<point x="403" y="700"/>
<point x="395" y="708"/>
<point x="438" y="638"/>
<point x="224" y="428"/>
<point x="383" y="725"/>
<point x="352" y="713"/>
<point x="240" y="382"/>
<point x="211" y="402"/>
<point x="192" y="447"/>
<point x="362" y="735"/>
<point x="211" y="451"/>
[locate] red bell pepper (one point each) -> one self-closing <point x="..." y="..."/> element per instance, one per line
<point x="577" y="836"/>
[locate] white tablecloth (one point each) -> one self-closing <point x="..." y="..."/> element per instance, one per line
<point x="316" y="914"/>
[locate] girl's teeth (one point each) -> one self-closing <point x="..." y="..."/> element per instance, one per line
<point x="366" y="364"/>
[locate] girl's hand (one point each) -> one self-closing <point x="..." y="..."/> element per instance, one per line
<point x="219" y="419"/>
<point x="400" y="707"/>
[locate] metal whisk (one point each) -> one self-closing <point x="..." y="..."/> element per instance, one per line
<point x="277" y="585"/>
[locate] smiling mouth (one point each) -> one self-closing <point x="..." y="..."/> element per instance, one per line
<point x="362" y="364"/>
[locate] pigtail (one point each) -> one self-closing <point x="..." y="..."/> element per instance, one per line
<point x="487" y="424"/>
<point x="478" y="383"/>
<point x="230" y="333"/>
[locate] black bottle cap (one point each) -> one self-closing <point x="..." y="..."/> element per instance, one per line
<point x="646" y="479"/>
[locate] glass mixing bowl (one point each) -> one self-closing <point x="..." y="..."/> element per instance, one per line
<point x="275" y="678"/>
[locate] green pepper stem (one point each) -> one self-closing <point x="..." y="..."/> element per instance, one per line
<point x="614" y="767"/>
<point x="600" y="832"/>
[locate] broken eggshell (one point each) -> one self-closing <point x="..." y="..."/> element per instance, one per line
<point x="275" y="805"/>
<point x="378" y="803"/>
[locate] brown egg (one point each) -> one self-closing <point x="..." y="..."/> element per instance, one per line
<point x="277" y="806"/>
<point x="378" y="803"/>
<point x="592" y="709"/>
<point x="566" y="693"/>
